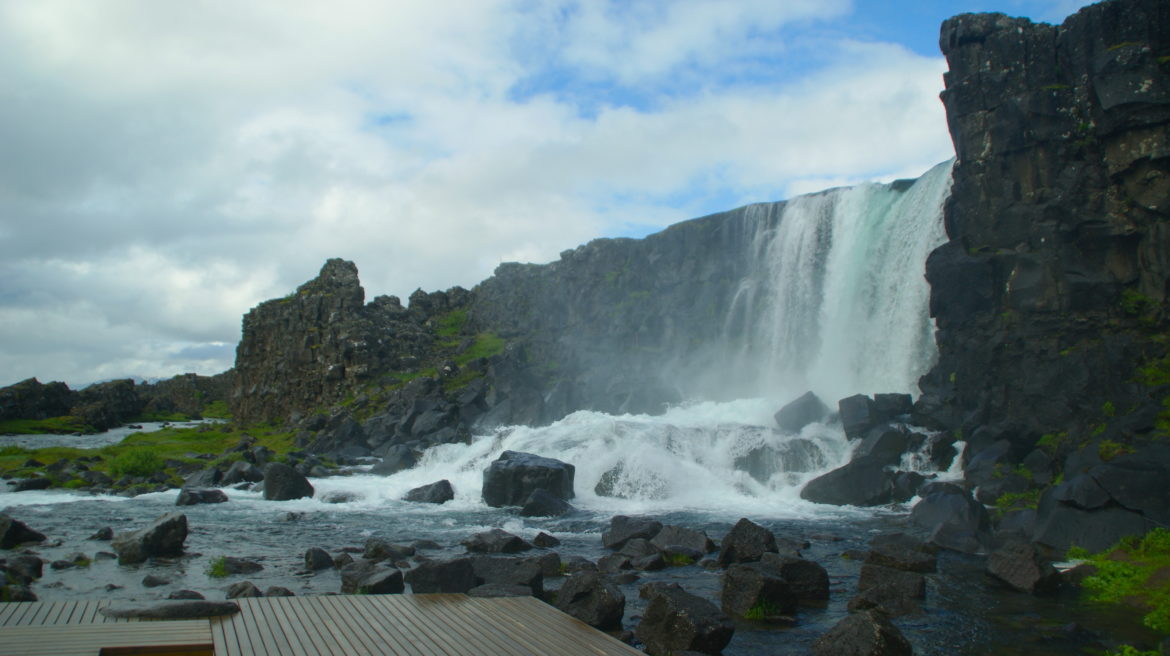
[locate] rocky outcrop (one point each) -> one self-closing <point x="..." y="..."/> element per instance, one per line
<point x="110" y="404"/>
<point x="323" y="343"/>
<point x="514" y="476"/>
<point x="162" y="537"/>
<point x="1052" y="287"/>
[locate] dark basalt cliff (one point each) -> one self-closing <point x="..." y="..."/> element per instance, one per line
<point x="625" y="325"/>
<point x="322" y="344"/>
<point x="105" y="405"/>
<point x="1051" y="293"/>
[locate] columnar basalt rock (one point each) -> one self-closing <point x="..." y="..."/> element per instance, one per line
<point x="1053" y="283"/>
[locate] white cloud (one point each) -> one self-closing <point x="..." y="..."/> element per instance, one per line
<point x="173" y="164"/>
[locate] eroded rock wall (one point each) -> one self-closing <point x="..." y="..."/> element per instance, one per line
<point x="1052" y="288"/>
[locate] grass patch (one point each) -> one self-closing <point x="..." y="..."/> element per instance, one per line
<point x="679" y="560"/>
<point x="1018" y="501"/>
<point x="451" y="324"/>
<point x="486" y="345"/>
<point x="217" y="410"/>
<point x="56" y="425"/>
<point x="1136" y="572"/>
<point x="762" y="610"/>
<point x="139" y="461"/>
<point x="143" y="454"/>
<point x="217" y="568"/>
<point x="162" y="416"/>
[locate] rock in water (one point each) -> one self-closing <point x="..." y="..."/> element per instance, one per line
<point x="746" y="542"/>
<point x="622" y="529"/>
<point x="174" y="610"/>
<point x="496" y="541"/>
<point x="455" y="575"/>
<point x="14" y="532"/>
<point x="594" y="599"/>
<point x="282" y="483"/>
<point x="190" y="496"/>
<point x="163" y="537"/>
<point x="676" y="620"/>
<point x="542" y="504"/>
<point x="514" y="476"/>
<point x="867" y="633"/>
<point x="801" y="412"/>
<point x="438" y="492"/>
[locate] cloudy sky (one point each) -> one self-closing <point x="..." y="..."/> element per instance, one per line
<point x="165" y="165"/>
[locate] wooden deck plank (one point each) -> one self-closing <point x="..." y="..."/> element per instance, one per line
<point x="494" y="612"/>
<point x="309" y="627"/>
<point x="364" y="641"/>
<point x="547" y="624"/>
<point x="227" y="641"/>
<point x="288" y="625"/>
<point x="455" y="613"/>
<point x="89" y="639"/>
<point x="397" y="636"/>
<point x="336" y="640"/>
<point x="409" y="607"/>
<point x="246" y="623"/>
<point x="270" y="634"/>
<point x="12" y="611"/>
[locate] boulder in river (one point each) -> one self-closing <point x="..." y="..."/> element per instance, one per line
<point x="438" y="492"/>
<point x="868" y="633"/>
<point x="542" y="504"/>
<point x="622" y="529"/>
<point x="752" y="591"/>
<point x="282" y="483"/>
<point x="454" y="575"/>
<point x="676" y="620"/>
<point x="594" y="599"/>
<point x="163" y="537"/>
<point x="496" y="541"/>
<point x="514" y="475"/>
<point x="14" y="532"/>
<point x="801" y="412"/>
<point x="190" y="496"/>
<point x="746" y="542"/>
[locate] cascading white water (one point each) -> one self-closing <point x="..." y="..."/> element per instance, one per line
<point x="837" y="299"/>
<point x="836" y="303"/>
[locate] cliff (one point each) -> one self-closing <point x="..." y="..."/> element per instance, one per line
<point x="102" y="406"/>
<point x="322" y="344"/>
<point x="1051" y="292"/>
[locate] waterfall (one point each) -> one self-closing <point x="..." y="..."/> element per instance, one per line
<point x="836" y="301"/>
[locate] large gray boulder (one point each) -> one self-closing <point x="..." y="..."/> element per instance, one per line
<point x="954" y="519"/>
<point x="14" y="532"/>
<point x="592" y="598"/>
<point x="622" y="529"/>
<point x="512" y="477"/>
<point x="163" y="537"/>
<point x="867" y="633"/>
<point x="752" y="591"/>
<point x="439" y="492"/>
<point x="676" y="620"/>
<point x="454" y="575"/>
<point x="191" y="496"/>
<point x="801" y="412"/>
<point x="282" y="483"/>
<point x="746" y="542"/>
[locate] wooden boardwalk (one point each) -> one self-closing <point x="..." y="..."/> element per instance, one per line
<point x="406" y="625"/>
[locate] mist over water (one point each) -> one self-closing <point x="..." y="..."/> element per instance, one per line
<point x="838" y="301"/>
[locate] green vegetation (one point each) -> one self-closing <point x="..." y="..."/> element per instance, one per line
<point x="217" y="568"/>
<point x="56" y="425"/>
<point x="1108" y="409"/>
<point x="1018" y="501"/>
<point x="762" y="610"/>
<point x="1051" y="442"/>
<point x="143" y="454"/>
<point x="1127" y="650"/>
<point x="140" y="461"/>
<point x="679" y="560"/>
<point x="217" y="410"/>
<point x="1108" y="450"/>
<point x="1134" y="572"/>
<point x="451" y="324"/>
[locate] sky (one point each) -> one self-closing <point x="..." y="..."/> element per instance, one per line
<point x="166" y="165"/>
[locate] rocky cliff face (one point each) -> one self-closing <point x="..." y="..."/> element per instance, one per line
<point x="1052" y="289"/>
<point x="624" y="325"/>
<point x="322" y="344"/>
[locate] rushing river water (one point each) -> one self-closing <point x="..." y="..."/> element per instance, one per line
<point x="688" y="467"/>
